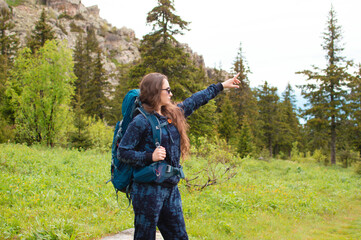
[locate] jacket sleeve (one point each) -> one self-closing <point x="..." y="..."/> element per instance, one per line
<point x="200" y="98"/>
<point x="127" y="150"/>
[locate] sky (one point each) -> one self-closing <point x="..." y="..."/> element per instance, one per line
<point x="278" y="37"/>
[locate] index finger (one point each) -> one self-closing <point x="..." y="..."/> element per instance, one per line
<point x="236" y="75"/>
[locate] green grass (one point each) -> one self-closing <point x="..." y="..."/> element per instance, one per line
<point x="61" y="194"/>
<point x="278" y="200"/>
<point x="57" y="194"/>
<point x="14" y="3"/>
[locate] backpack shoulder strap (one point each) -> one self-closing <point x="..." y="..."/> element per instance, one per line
<point x="155" y="124"/>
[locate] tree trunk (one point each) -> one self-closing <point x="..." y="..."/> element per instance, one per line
<point x="333" y="140"/>
<point x="270" y="147"/>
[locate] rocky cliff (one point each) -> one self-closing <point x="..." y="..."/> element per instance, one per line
<point x="70" y="17"/>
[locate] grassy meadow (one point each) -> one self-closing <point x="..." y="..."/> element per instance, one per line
<point x="61" y="194"/>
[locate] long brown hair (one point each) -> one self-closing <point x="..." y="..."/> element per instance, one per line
<point x="150" y="90"/>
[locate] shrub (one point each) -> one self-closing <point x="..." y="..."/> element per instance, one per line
<point x="65" y="15"/>
<point x="218" y="160"/>
<point x="347" y="157"/>
<point x="104" y="30"/>
<point x="90" y="133"/>
<point x="75" y="28"/>
<point x="7" y="132"/>
<point x="52" y="14"/>
<point x="319" y="156"/>
<point x="358" y="168"/>
<point x="78" y="135"/>
<point x="282" y="155"/>
<point x="100" y="135"/>
<point x="264" y="154"/>
<point x="295" y="152"/>
<point x="62" y="28"/>
<point x="215" y="149"/>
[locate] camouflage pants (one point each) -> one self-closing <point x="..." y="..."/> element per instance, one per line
<point x="157" y="206"/>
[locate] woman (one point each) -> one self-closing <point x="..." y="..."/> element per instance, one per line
<point x="159" y="205"/>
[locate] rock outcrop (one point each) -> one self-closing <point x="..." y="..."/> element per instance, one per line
<point x="71" y="7"/>
<point x="70" y="17"/>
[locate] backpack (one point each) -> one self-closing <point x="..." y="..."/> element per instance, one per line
<point x="122" y="174"/>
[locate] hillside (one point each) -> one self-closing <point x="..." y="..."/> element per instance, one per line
<point x="70" y="17"/>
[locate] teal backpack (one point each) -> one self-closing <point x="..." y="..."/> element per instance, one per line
<point x="122" y="174"/>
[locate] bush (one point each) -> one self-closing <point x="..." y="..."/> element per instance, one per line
<point x="65" y="15"/>
<point x="215" y="149"/>
<point x="100" y="135"/>
<point x="216" y="162"/>
<point x="62" y="28"/>
<point x="90" y="133"/>
<point x="104" y="30"/>
<point x="319" y="156"/>
<point x="264" y="154"/>
<point x="79" y="139"/>
<point x="347" y="157"/>
<point x="7" y="132"/>
<point x="358" y="168"/>
<point x="282" y="155"/>
<point x="295" y="152"/>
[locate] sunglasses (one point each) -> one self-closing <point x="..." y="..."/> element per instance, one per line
<point x="168" y="90"/>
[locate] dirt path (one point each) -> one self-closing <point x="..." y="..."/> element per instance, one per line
<point x="127" y="235"/>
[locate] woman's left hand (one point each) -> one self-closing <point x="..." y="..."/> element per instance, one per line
<point x="232" y="82"/>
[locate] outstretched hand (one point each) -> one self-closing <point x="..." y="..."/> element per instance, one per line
<point x="232" y="82"/>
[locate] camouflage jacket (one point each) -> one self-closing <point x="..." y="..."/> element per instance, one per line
<point x="136" y="146"/>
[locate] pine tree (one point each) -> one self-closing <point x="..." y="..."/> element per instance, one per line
<point x="91" y="83"/>
<point x="268" y="108"/>
<point x="227" y="127"/>
<point x="243" y="99"/>
<point x="80" y="69"/>
<point x="165" y="23"/>
<point x="91" y="42"/>
<point x="95" y="101"/>
<point x="79" y="138"/>
<point x="41" y="33"/>
<point x="161" y="52"/>
<point x="354" y="123"/>
<point x="288" y="121"/>
<point x="114" y="113"/>
<point x="327" y="92"/>
<point x="218" y="76"/>
<point x="203" y="120"/>
<point x="240" y="66"/>
<point x="240" y="97"/>
<point x="246" y="141"/>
